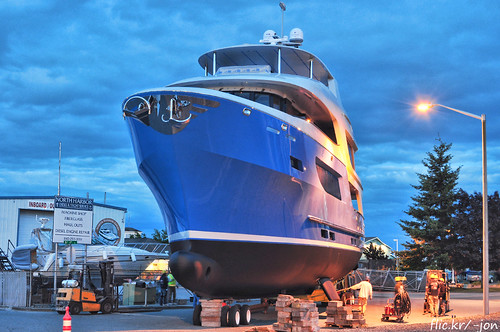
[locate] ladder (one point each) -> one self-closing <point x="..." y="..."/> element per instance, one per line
<point x="5" y="264"/>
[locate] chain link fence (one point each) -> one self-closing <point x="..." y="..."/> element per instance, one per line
<point x="20" y="289"/>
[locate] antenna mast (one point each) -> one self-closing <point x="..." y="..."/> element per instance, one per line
<point x="59" y="177"/>
<point x="283" y="8"/>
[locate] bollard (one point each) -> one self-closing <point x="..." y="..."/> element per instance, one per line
<point x="67" y="321"/>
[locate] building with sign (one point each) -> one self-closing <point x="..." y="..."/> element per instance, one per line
<point x="23" y="218"/>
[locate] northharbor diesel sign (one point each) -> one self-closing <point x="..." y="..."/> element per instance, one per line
<point x="73" y="220"/>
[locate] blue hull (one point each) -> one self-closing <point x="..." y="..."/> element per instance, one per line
<point x="241" y="200"/>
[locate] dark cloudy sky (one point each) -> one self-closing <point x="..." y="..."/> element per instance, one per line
<point x="66" y="66"/>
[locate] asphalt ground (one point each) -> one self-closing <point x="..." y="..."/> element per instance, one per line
<point x="466" y="308"/>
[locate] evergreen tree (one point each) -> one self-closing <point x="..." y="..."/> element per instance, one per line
<point x="373" y="252"/>
<point x="468" y="228"/>
<point x="432" y="213"/>
<point x="494" y="231"/>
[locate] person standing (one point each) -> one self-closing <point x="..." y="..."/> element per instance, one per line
<point x="172" y="285"/>
<point x="163" y="288"/>
<point x="365" y="292"/>
<point x="442" y="296"/>
<point x="398" y="288"/>
<point x="433" y="295"/>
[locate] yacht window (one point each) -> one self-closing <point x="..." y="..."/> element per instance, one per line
<point x="296" y="163"/>
<point x="324" y="233"/>
<point x="278" y="103"/>
<point x="327" y="128"/>
<point x="351" y="154"/>
<point x="286" y="106"/>
<point x="272" y="100"/>
<point x="354" y="197"/>
<point x="243" y="94"/>
<point x="262" y="98"/>
<point x="329" y="179"/>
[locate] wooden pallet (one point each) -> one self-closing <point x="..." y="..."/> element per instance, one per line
<point x="347" y="326"/>
<point x="259" y="329"/>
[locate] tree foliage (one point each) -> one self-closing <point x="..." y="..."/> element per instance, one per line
<point x="160" y="236"/>
<point x="431" y="213"/>
<point x="468" y="231"/>
<point x="494" y="231"/>
<point x="138" y="235"/>
<point x="374" y="252"/>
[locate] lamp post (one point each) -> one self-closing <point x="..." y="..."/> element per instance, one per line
<point x="397" y="254"/>
<point x="426" y="107"/>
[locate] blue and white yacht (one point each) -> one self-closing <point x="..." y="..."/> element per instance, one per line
<point x="252" y="166"/>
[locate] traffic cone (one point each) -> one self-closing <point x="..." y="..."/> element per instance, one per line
<point x="67" y="321"/>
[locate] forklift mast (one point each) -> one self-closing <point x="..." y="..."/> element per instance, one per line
<point x="107" y="277"/>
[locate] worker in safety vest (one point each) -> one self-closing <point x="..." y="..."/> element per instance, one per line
<point x="399" y="284"/>
<point x="171" y="291"/>
<point x="433" y="295"/>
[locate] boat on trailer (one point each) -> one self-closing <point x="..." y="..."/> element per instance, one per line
<point x="252" y="166"/>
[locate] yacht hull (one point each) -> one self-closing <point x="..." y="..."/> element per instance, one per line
<point x="240" y="196"/>
<point x="254" y="269"/>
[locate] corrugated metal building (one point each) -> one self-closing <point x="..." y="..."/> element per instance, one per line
<point x="21" y="215"/>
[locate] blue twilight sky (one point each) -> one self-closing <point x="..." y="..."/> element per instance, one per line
<point x="66" y="66"/>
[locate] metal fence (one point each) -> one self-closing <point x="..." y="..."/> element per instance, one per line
<point x="14" y="289"/>
<point x="385" y="279"/>
<point x="160" y="248"/>
<point x="20" y="289"/>
<point x="35" y="289"/>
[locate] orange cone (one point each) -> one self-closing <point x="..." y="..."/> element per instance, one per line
<point x="67" y="321"/>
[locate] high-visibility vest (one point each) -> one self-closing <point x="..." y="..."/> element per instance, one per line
<point x="171" y="280"/>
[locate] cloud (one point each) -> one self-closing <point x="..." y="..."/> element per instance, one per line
<point x="66" y="67"/>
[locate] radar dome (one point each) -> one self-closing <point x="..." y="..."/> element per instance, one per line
<point x="296" y="35"/>
<point x="269" y="35"/>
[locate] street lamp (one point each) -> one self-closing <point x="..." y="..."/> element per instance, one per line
<point x="397" y="254"/>
<point x="425" y="107"/>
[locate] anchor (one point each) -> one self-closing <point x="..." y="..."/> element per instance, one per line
<point x="175" y="110"/>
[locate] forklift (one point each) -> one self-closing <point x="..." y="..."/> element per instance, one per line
<point x="78" y="297"/>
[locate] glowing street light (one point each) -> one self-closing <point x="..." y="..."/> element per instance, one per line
<point x="424" y="107"/>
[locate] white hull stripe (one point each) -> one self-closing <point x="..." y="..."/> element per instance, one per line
<point x="238" y="237"/>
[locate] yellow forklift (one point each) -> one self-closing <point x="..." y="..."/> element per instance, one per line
<point x="78" y="297"/>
